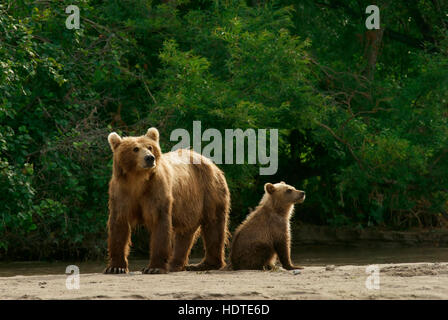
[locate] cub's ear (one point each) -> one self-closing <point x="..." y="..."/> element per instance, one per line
<point x="114" y="140"/>
<point x="153" y="133"/>
<point x="282" y="182"/>
<point x="269" y="187"/>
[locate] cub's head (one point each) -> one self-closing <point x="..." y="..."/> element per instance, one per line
<point x="284" y="194"/>
<point x="134" y="154"/>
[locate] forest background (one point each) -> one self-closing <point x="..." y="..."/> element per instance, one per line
<point x="362" y="114"/>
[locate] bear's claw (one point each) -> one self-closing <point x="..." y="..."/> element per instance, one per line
<point x="115" y="270"/>
<point x="153" y="271"/>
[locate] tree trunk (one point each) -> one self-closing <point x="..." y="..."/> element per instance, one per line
<point x="372" y="48"/>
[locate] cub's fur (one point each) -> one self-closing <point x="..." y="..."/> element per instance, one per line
<point x="265" y="233"/>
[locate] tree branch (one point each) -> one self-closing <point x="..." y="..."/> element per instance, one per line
<point x="349" y="147"/>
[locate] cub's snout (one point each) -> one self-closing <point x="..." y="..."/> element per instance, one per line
<point x="301" y="196"/>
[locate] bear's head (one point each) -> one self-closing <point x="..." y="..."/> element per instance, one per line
<point x="135" y="154"/>
<point x="284" y="194"/>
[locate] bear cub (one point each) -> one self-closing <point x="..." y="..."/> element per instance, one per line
<point x="265" y="234"/>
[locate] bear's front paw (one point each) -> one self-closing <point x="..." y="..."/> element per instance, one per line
<point x="115" y="270"/>
<point x="154" y="271"/>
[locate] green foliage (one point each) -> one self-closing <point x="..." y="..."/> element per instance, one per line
<point x="363" y="129"/>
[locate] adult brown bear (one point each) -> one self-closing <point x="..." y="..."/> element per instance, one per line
<point x="174" y="195"/>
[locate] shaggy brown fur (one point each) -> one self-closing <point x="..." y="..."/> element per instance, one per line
<point x="265" y="233"/>
<point x="173" y="197"/>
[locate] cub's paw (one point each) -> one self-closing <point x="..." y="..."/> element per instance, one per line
<point x="176" y="268"/>
<point x="203" y="267"/>
<point x="154" y="271"/>
<point x="115" y="270"/>
<point x="269" y="267"/>
<point x="294" y="268"/>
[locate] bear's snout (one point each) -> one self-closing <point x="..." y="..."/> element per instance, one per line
<point x="301" y="196"/>
<point x="149" y="161"/>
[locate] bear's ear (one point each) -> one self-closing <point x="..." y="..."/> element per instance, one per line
<point x="269" y="187"/>
<point x="282" y="182"/>
<point x="153" y="133"/>
<point x="114" y="140"/>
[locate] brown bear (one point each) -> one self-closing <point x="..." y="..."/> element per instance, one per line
<point x="265" y="233"/>
<point x="174" y="195"/>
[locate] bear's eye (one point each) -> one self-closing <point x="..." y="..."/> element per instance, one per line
<point x="289" y="191"/>
<point x="135" y="149"/>
<point x="150" y="148"/>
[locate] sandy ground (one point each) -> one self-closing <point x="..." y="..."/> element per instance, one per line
<point x="397" y="281"/>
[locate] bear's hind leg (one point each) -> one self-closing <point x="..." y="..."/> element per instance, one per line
<point x="214" y="236"/>
<point x="182" y="246"/>
<point x="258" y="257"/>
